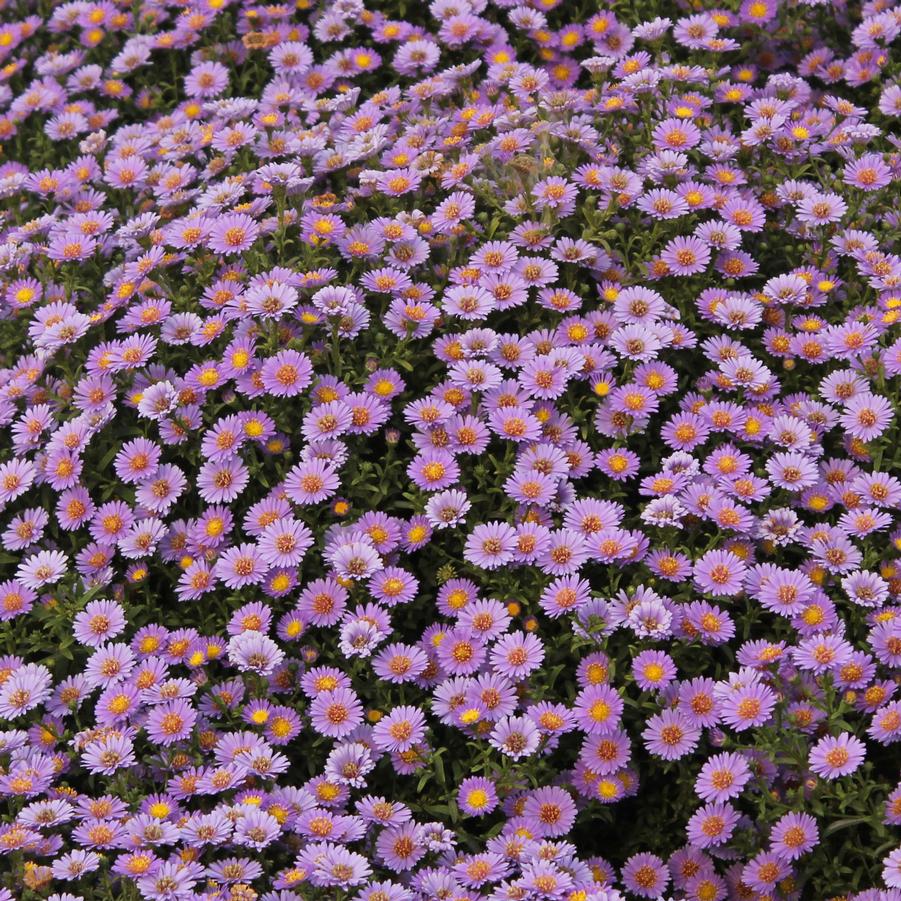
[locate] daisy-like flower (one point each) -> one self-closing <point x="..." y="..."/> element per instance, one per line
<point x="821" y="209"/>
<point x="311" y="482"/>
<point x="284" y="542"/>
<point x="42" y="568"/>
<point x="712" y="825"/>
<point x="551" y="811"/>
<point x="252" y="651"/>
<point x="835" y="756"/>
<point x="434" y="470"/>
<point x="477" y="796"/>
<point x="794" y="835"/>
<point x="233" y="233"/>
<point x="646" y="875"/>
<point x="517" y="654"/>
<point x="354" y="559"/>
<point x="765" y="871"/>
<point x="447" y="508"/>
<point x="99" y="621"/>
<point x="400" y="730"/>
<point x="868" y="172"/>
<point x="555" y="194"/>
<point x="515" y="737"/>
<point x="670" y="735"/>
<point x="866" y="416"/>
<point x="598" y="709"/>
<point x="744" y="706"/>
<point x="490" y="545"/>
<point x="722" y="777"/>
<point x="686" y="256"/>
<point x="171" y="722"/>
<point x="286" y="374"/>
<point x="720" y="573"/>
<point x="24" y="689"/>
<point x="256" y="829"/>
<point x="336" y="713"/>
<point x="109" y="754"/>
<point x="653" y="670"/>
<point x="241" y="565"/>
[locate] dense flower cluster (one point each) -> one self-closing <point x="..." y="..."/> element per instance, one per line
<point x="449" y="450"/>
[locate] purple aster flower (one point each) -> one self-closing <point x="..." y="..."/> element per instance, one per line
<point x="241" y="565"/>
<point x="350" y="763"/>
<point x="336" y="713"/>
<point x="794" y="835"/>
<point x="252" y="651"/>
<point x="287" y="374"/>
<point x="354" y="559"/>
<point x="233" y="233"/>
<point x="490" y="545"/>
<point x="686" y="256"/>
<point x="868" y="172"/>
<point x="598" y="709"/>
<point x="550" y="811"/>
<point x="712" y="825"/>
<point x="399" y="730"/>
<point x="515" y="736"/>
<point x="720" y="573"/>
<point x="109" y="754"/>
<point x="434" y="470"/>
<point x="311" y="482"/>
<point x="171" y="722"/>
<point x="653" y="670"/>
<point x="477" y="796"/>
<point x="24" y="690"/>
<point x="517" y="654"/>
<point x="646" y="875"/>
<point x="832" y="757"/>
<point x="671" y="735"/>
<point x="866" y="416"/>
<point x="170" y="881"/>
<point x="256" y="829"/>
<point x="284" y="542"/>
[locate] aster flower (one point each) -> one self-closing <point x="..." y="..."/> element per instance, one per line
<point x="646" y="875"/>
<point x="256" y="829"/>
<point x="354" y="560"/>
<point x="517" y="654"/>
<point x="515" y="737"/>
<point x="476" y="796"/>
<point x="109" y="754"/>
<point x="254" y="652"/>
<point x="832" y="757"/>
<point x="24" y="690"/>
<point x="598" y="709"/>
<point x="653" y="670"/>
<point x="719" y="573"/>
<point x="336" y="713"/>
<point x="565" y="594"/>
<point x="670" y="735"/>
<point x="233" y="233"/>
<point x="171" y="722"/>
<point x="821" y="209"/>
<point x="286" y="374"/>
<point x="866" y="416"/>
<point x="400" y="730"/>
<point x="712" y="825"/>
<point x="172" y="288"/>
<point x="765" y="871"/>
<point x="794" y="835"/>
<point x="99" y="621"/>
<point x="311" y="482"/>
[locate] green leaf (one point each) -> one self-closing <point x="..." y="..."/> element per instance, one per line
<point x="846" y="823"/>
